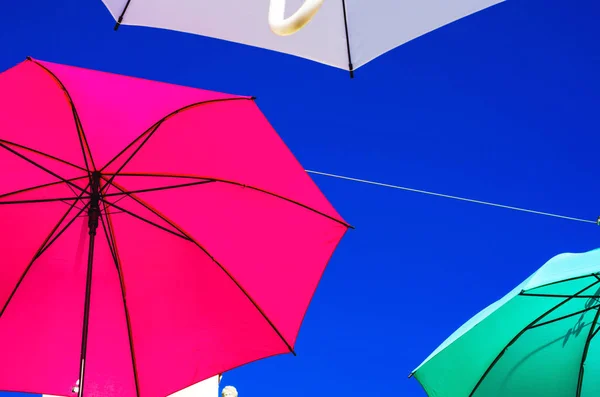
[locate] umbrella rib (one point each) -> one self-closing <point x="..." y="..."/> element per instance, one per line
<point x="148" y="136"/>
<point x="595" y="275"/>
<point x="64" y="229"/>
<point x="159" y="188"/>
<point x="122" y="15"/>
<point x="155" y="126"/>
<point x="43" y="154"/>
<point x="203" y="249"/>
<point x="115" y="202"/>
<point x="595" y="332"/>
<point x="559" y="296"/>
<point x="35" y="201"/>
<point x="47" y="243"/>
<point x="350" y="66"/>
<point x="80" y="133"/>
<point x="513" y="340"/>
<point x="112" y="244"/>
<point x="41" y="167"/>
<point x="145" y="220"/>
<point x="229" y="182"/>
<point x="585" y="353"/>
<point x="554" y="320"/>
<point x="39" y="187"/>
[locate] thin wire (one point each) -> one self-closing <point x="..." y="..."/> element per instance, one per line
<point x="450" y="197"/>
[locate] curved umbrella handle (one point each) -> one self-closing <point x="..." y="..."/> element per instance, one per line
<point x="286" y="26"/>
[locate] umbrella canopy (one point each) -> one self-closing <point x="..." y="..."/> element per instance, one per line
<point x="206" y="388"/>
<point x="152" y="235"/>
<point x="540" y="340"/>
<point x="345" y="34"/>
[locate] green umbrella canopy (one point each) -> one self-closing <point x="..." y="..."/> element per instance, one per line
<point x="538" y="340"/>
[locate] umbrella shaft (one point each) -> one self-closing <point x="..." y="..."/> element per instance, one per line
<point x="94" y="214"/>
<point x="94" y="210"/>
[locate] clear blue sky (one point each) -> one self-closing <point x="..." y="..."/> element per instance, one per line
<point x="500" y="106"/>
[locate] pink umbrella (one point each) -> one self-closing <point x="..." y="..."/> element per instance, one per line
<point x="152" y="235"/>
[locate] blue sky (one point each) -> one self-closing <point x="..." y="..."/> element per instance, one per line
<point x="500" y="106"/>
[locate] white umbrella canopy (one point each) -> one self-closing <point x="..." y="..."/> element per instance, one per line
<point x="206" y="388"/>
<point x="346" y="34"/>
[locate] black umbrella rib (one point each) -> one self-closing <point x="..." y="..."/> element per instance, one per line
<point x="585" y="353"/>
<point x="594" y="275"/>
<point x="148" y="136"/>
<point x="67" y="181"/>
<point x="43" y="154"/>
<point x="595" y="332"/>
<point x="45" y="245"/>
<point x="39" y="187"/>
<point x="203" y="249"/>
<point x="560" y="296"/>
<point x="153" y="128"/>
<point x="145" y="220"/>
<point x="122" y="15"/>
<point x="554" y="320"/>
<point x="513" y="340"/>
<point x="112" y="244"/>
<point x="36" y="201"/>
<point x="229" y="182"/>
<point x="155" y="189"/>
<point x="64" y="229"/>
<point x="350" y="66"/>
<point x="80" y="133"/>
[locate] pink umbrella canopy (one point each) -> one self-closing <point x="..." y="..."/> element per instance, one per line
<point x="152" y="235"/>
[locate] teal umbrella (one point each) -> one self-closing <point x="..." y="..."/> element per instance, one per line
<point x="541" y="339"/>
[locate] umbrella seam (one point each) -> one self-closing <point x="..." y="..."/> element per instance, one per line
<point x="39" y="166"/>
<point x="29" y="189"/>
<point x="243" y="185"/>
<point x="155" y="126"/>
<point x="133" y="214"/>
<point x="78" y="125"/>
<point x="202" y="248"/>
<point x="43" y="154"/>
<point x="45" y="245"/>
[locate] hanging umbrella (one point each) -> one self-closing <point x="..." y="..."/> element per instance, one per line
<point x="345" y="34"/>
<point x="206" y="388"/>
<point x="540" y="340"/>
<point x="152" y="235"/>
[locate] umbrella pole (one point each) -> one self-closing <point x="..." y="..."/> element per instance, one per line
<point x="93" y="216"/>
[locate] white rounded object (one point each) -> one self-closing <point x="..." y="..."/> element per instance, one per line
<point x="286" y="26"/>
<point x="229" y="391"/>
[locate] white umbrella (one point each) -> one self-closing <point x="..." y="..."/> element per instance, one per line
<point x="345" y="34"/>
<point x="206" y="388"/>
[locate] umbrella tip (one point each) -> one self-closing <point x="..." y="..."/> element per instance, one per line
<point x="253" y="98"/>
<point x="410" y="375"/>
<point x="29" y="58"/>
